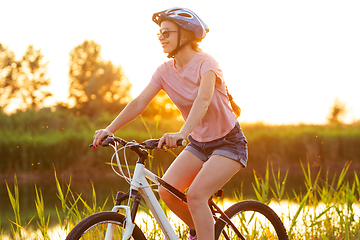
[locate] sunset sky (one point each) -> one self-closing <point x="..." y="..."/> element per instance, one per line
<point x="285" y="62"/>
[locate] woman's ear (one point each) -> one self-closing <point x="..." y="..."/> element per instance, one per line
<point x="186" y="35"/>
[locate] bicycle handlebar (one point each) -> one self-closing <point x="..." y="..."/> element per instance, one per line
<point x="148" y="144"/>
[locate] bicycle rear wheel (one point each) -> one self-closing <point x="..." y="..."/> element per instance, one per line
<point x="254" y="220"/>
<point x="94" y="227"/>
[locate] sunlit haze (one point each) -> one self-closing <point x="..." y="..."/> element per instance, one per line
<point x="285" y="62"/>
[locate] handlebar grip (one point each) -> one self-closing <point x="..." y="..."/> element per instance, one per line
<point x="102" y="140"/>
<point x="181" y="142"/>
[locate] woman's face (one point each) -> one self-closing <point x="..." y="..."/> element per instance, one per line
<point x="168" y="36"/>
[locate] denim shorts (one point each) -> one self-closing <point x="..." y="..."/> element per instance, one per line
<point x="233" y="146"/>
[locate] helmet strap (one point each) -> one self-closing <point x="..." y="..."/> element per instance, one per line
<point x="179" y="47"/>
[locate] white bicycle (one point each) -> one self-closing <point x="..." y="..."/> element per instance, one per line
<point x="243" y="220"/>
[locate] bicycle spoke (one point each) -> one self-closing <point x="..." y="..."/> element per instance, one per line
<point x="254" y="220"/>
<point x="96" y="227"/>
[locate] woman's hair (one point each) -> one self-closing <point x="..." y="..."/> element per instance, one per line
<point x="191" y="35"/>
<point x="236" y="109"/>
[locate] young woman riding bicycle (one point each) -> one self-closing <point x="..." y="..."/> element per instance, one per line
<point x="194" y="82"/>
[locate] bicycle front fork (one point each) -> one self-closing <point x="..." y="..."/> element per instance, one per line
<point x="129" y="222"/>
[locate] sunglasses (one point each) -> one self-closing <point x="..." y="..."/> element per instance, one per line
<point x="164" y="32"/>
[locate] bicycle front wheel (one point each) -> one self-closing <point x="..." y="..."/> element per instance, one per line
<point x="254" y="220"/>
<point x="95" y="227"/>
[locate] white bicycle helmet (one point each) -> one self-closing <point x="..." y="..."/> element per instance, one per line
<point x="185" y="19"/>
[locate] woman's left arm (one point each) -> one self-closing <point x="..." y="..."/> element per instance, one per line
<point x="197" y="112"/>
<point x="201" y="103"/>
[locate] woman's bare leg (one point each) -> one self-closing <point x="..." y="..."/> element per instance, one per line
<point x="212" y="176"/>
<point x="180" y="175"/>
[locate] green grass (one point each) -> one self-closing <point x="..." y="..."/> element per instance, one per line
<point x="326" y="210"/>
<point x="35" y="141"/>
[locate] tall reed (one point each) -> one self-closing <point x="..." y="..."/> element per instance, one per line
<point x="43" y="223"/>
<point x="327" y="209"/>
<point x="16" y="226"/>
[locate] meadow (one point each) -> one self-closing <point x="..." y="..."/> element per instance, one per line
<point x="328" y="209"/>
<point x="37" y="141"/>
<point x="308" y="171"/>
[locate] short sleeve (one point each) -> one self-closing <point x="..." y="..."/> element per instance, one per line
<point x="210" y="64"/>
<point x="156" y="79"/>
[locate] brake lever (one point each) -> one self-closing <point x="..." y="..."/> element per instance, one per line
<point x="150" y="144"/>
<point x="153" y="143"/>
<point x="104" y="141"/>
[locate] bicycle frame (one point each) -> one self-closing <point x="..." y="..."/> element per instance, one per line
<point x="140" y="184"/>
<point x="139" y="187"/>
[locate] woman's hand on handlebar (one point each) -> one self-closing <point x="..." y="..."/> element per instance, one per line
<point x="170" y="140"/>
<point x="99" y="135"/>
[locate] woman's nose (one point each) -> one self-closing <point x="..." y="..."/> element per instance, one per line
<point x="161" y="36"/>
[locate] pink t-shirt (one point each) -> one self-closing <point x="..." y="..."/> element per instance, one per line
<point x="182" y="85"/>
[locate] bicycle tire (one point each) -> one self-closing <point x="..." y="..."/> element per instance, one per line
<point x="252" y="208"/>
<point x="101" y="220"/>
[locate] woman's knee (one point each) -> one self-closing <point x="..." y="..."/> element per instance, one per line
<point x="195" y="198"/>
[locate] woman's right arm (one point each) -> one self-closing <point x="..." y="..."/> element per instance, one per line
<point x="129" y="113"/>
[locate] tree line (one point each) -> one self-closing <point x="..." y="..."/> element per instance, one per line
<point x="95" y="85"/>
<point x="23" y="82"/>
